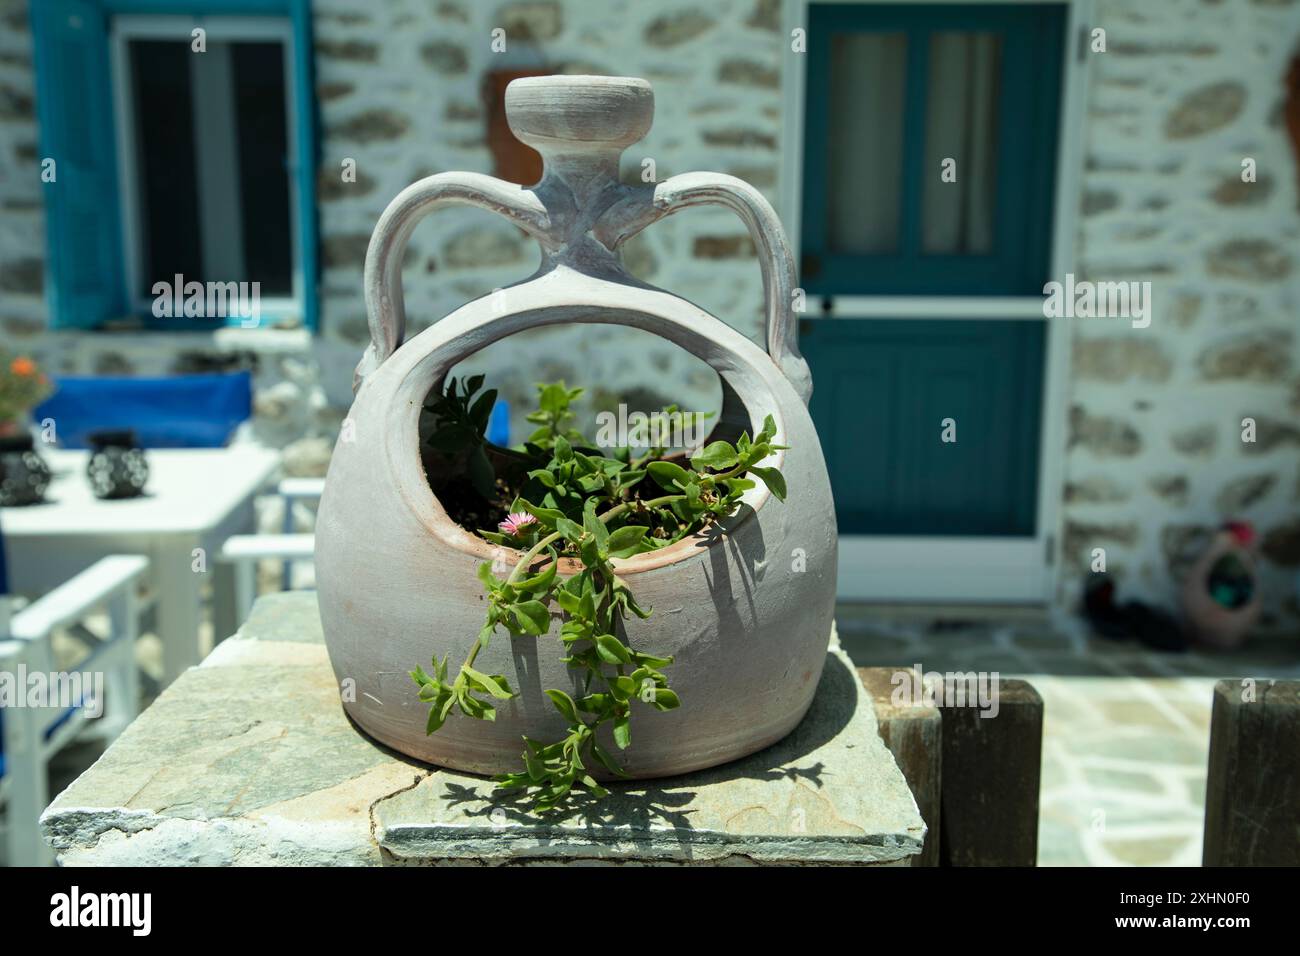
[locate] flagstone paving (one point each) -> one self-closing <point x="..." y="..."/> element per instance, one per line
<point x="1125" y="731"/>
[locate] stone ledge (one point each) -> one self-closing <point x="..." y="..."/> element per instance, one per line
<point x="250" y="760"/>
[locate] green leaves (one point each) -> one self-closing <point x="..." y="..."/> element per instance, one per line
<point x="716" y="455"/>
<point x="665" y="699"/>
<point x="495" y="684"/>
<point x="612" y="650"/>
<point x="595" y="527"/>
<point x="599" y="508"/>
<point x="622" y="732"/>
<point x="571" y="530"/>
<point x="532" y="616"/>
<point x="565" y="705"/>
<point x="554" y="415"/>
<point x="541" y="581"/>
<point x="606" y="760"/>
<point x="486" y="576"/>
<point x="441" y="696"/>
<point x="668" y="474"/>
<point x="454" y="428"/>
<point x="774" y="480"/>
<point x="545" y="516"/>
<point x="626" y="541"/>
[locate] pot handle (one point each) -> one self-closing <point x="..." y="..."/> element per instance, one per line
<point x="774" y="255"/>
<point x="385" y="310"/>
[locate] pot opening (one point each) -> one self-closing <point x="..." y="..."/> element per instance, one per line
<point x="611" y="391"/>
<point x="494" y="429"/>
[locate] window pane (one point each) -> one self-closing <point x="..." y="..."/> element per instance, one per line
<point x="211" y="147"/>
<point x="866" y="142"/>
<point x="961" y="124"/>
<point x="169" y="243"/>
<point x="263" y="165"/>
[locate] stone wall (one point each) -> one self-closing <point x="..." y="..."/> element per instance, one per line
<point x="1185" y="91"/>
<point x="400" y="88"/>
<point x="399" y="93"/>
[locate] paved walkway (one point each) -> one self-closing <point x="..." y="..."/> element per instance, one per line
<point x="1126" y="731"/>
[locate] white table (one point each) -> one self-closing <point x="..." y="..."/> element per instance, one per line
<point x="195" y="499"/>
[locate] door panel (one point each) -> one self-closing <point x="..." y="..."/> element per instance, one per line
<point x="883" y="389"/>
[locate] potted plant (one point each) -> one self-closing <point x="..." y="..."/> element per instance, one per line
<point x="24" y="476"/>
<point x="605" y="573"/>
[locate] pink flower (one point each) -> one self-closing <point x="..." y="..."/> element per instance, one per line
<point x="516" y="521"/>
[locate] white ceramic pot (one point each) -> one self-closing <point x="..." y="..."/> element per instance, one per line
<point x="746" y="613"/>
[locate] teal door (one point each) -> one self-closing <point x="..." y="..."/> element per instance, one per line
<point x="929" y="170"/>
<point x="930" y="426"/>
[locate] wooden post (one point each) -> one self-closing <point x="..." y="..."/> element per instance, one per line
<point x="913" y="734"/>
<point x="1252" y="792"/>
<point x="991" y="769"/>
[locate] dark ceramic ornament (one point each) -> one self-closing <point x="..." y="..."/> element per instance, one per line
<point x="117" y="467"/>
<point x="24" y="475"/>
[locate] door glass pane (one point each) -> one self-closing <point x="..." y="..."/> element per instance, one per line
<point x="866" y="142"/>
<point x="961" y="124"/>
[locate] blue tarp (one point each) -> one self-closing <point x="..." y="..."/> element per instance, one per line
<point x="498" y="429"/>
<point x="179" y="411"/>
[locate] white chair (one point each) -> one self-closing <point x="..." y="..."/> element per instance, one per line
<point x="242" y="553"/>
<point x="72" y="703"/>
<point x="293" y="490"/>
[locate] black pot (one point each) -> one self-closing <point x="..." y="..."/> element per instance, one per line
<point x="24" y="476"/>
<point x="117" y="466"/>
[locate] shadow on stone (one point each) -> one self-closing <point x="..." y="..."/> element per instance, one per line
<point x="642" y="803"/>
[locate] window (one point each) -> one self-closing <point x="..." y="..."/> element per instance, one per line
<point x="204" y="139"/>
<point x="202" y="164"/>
<point x="899" y="94"/>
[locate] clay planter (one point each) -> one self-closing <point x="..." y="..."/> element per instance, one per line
<point x="1210" y="623"/>
<point x="746" y="613"/>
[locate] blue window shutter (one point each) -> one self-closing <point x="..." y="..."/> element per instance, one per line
<point x="306" y="156"/>
<point x="83" y="274"/>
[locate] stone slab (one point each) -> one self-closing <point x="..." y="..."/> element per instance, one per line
<point x="250" y="760"/>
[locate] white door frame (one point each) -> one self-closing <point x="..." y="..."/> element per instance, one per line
<point x="932" y="568"/>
